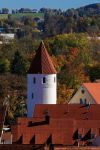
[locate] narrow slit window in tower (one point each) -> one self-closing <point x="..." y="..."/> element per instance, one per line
<point x="32" y="96"/>
<point x="54" y="79"/>
<point x="44" y="80"/>
<point x="34" y="80"/>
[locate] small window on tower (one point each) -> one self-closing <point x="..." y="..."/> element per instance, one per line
<point x="44" y="80"/>
<point x="32" y="96"/>
<point x="34" y="80"/>
<point x="54" y="79"/>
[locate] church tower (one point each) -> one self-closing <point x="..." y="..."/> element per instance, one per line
<point x="42" y="80"/>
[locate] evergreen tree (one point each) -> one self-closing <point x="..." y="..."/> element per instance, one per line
<point x="18" y="64"/>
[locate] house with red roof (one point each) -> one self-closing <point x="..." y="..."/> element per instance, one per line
<point x="59" y="124"/>
<point x="88" y="93"/>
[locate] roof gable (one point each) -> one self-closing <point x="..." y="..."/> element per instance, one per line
<point x="94" y="90"/>
<point x="42" y="63"/>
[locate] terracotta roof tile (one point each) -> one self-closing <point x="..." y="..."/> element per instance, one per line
<point x="75" y="111"/>
<point x="64" y="121"/>
<point x="94" y="90"/>
<point x="42" y="63"/>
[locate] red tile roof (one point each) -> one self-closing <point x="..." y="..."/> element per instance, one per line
<point x="42" y="147"/>
<point x="64" y="121"/>
<point x="69" y="111"/>
<point x="42" y="63"/>
<point x="94" y="90"/>
<point x="16" y="147"/>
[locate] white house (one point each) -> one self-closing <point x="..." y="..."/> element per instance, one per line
<point x="88" y="93"/>
<point x="7" y="37"/>
<point x="42" y="80"/>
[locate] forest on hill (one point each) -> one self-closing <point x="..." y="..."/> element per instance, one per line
<point x="70" y="38"/>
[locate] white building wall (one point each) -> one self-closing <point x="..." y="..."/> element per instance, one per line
<point x="79" y="95"/>
<point x="39" y="92"/>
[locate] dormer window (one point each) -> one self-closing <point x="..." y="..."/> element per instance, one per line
<point x="92" y="135"/>
<point x="80" y="136"/>
<point x="44" y="80"/>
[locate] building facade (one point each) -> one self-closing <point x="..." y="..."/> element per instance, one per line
<point x="88" y="93"/>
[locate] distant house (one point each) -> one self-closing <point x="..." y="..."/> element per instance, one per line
<point x="27" y="10"/>
<point x="7" y="37"/>
<point x="88" y="93"/>
<point x="35" y="11"/>
<point x="91" y="38"/>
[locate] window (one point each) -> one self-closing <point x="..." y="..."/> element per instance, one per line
<point x="44" y="80"/>
<point x="34" y="80"/>
<point x="54" y="79"/>
<point x="82" y="90"/>
<point x="82" y="101"/>
<point x="92" y="135"/>
<point x="80" y="136"/>
<point x="32" y="96"/>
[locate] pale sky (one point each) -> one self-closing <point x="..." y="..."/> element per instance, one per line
<point x="62" y="4"/>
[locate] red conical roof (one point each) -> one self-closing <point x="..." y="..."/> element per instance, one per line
<point x="42" y="63"/>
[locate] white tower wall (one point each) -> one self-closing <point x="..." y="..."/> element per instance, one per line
<point x="41" y="90"/>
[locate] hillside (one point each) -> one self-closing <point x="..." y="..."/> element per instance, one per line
<point x="92" y="9"/>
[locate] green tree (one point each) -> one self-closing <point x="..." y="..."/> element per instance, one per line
<point x="18" y="64"/>
<point x="4" y="65"/>
<point x="94" y="72"/>
<point x="5" y="10"/>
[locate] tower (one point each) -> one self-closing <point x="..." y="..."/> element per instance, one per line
<point x="41" y="80"/>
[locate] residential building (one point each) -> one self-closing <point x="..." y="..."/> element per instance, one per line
<point x="88" y="93"/>
<point x="7" y="37"/>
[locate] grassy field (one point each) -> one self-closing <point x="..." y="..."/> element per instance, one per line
<point x="19" y="15"/>
<point x="3" y="16"/>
